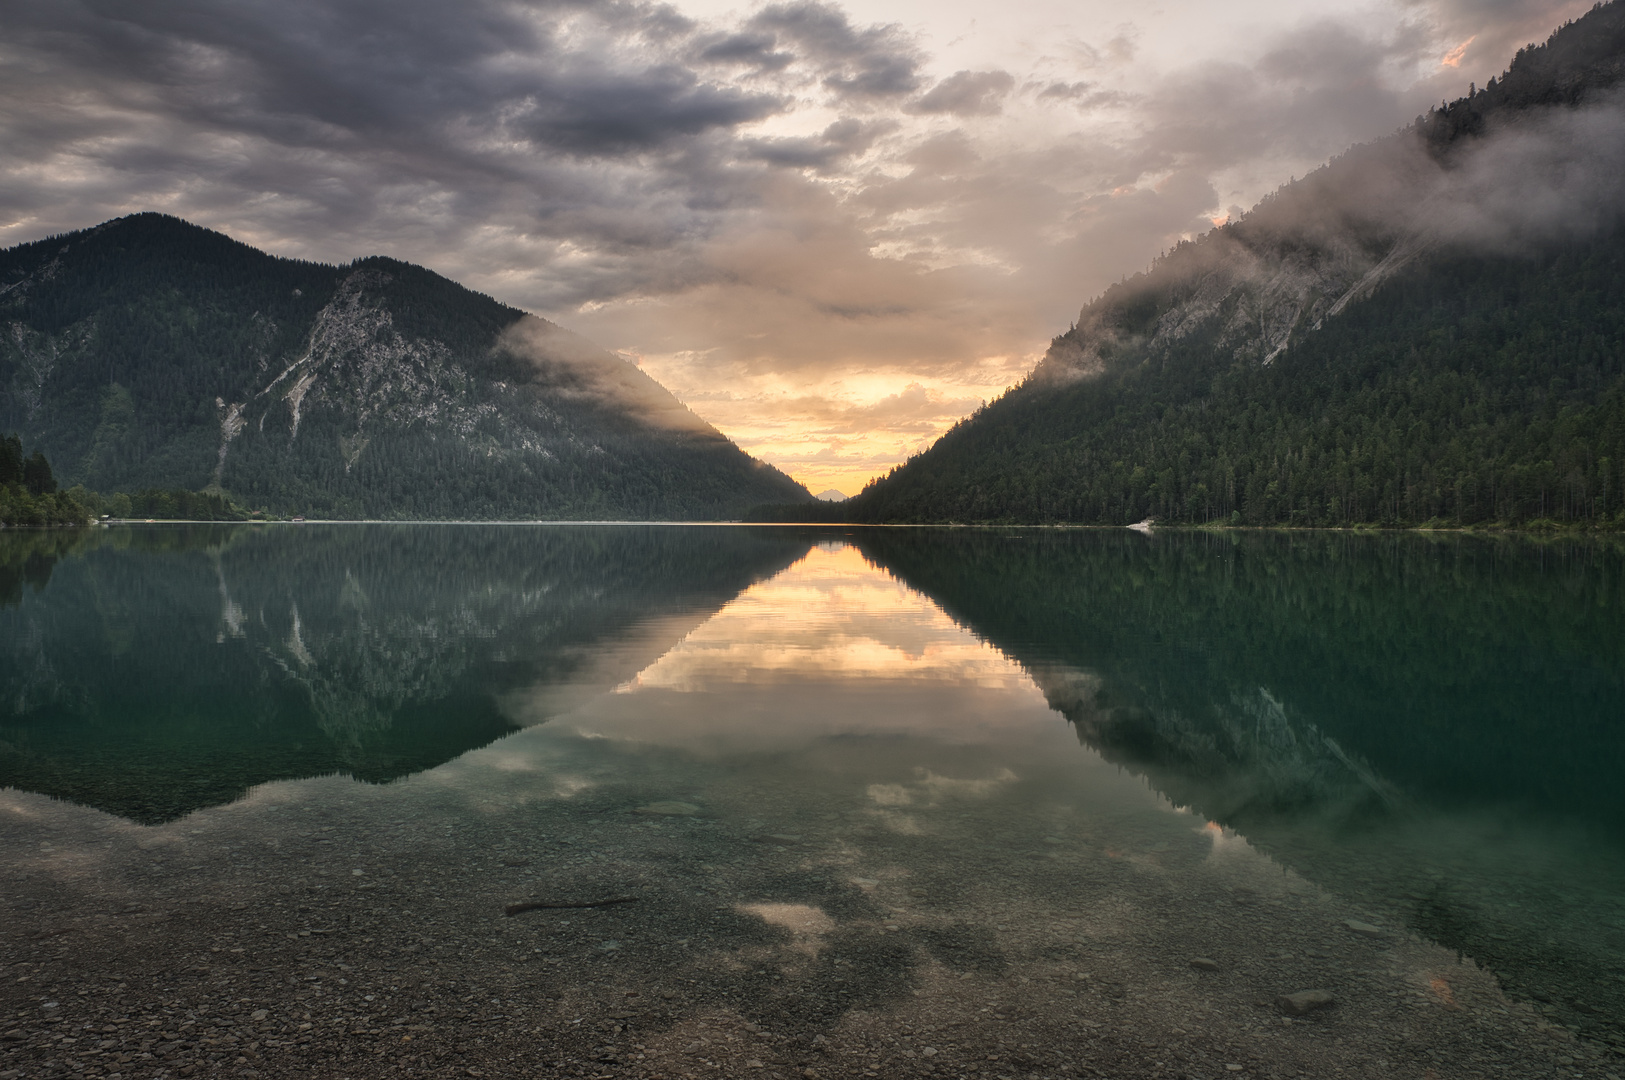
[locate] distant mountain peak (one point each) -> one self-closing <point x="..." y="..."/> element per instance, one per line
<point x="151" y="352"/>
<point x="831" y="495"/>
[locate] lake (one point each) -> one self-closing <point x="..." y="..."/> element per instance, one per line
<point x="796" y="802"/>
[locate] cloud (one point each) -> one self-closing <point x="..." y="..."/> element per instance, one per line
<point x="756" y="50"/>
<point x="876" y="62"/>
<point x="966" y="93"/>
<point x="1313" y="91"/>
<point x="603" y="113"/>
<point x="570" y="367"/>
<point x="1474" y="39"/>
<point x="844" y="139"/>
<point x="1084" y="95"/>
<point x="1529" y="181"/>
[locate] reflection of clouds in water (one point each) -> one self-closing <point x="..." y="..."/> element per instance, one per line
<point x="1227" y="843"/>
<point x="889" y="795"/>
<point x="830" y="647"/>
<point x="939" y="787"/>
<point x="930" y="789"/>
<point x="832" y="614"/>
<point x="807" y="923"/>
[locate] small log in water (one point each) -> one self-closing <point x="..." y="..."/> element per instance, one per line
<point x="538" y="905"/>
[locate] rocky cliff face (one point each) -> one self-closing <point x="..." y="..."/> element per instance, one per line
<point x="149" y="353"/>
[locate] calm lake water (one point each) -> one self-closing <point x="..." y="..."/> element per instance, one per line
<point x="1428" y="731"/>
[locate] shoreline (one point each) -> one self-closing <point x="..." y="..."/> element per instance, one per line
<point x="1553" y="532"/>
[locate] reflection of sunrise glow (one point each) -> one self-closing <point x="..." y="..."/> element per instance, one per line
<point x="831" y="646"/>
<point x="832" y="614"/>
<point x="1226" y="842"/>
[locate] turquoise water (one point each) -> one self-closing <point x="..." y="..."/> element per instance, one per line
<point x="1431" y="728"/>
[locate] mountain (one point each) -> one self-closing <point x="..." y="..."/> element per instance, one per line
<point x="831" y="495"/>
<point x="1430" y="328"/>
<point x="150" y="353"/>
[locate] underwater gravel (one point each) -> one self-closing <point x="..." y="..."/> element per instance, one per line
<point x="772" y="937"/>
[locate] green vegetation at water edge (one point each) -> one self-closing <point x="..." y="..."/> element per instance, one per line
<point x="29" y="497"/>
<point x="28" y="490"/>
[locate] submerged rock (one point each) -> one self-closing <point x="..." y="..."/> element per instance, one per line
<point x="669" y="809"/>
<point x="1305" y="1001"/>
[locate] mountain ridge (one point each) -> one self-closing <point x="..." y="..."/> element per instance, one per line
<point x="150" y="352"/>
<point x="1429" y="328"/>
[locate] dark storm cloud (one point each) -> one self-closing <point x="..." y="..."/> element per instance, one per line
<point x="877" y="62"/>
<point x="759" y="51"/>
<point x="320" y="73"/>
<point x="841" y="141"/>
<point x="605" y="113"/>
<point x="559" y="129"/>
<point x="966" y="93"/>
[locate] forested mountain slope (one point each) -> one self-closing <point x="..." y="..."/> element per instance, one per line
<point x="148" y="352"/>
<point x="1429" y="328"/>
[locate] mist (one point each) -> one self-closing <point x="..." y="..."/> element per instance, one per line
<point x="569" y="366"/>
<point x="1534" y="177"/>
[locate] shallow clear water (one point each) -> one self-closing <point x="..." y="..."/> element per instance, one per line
<point x="1428" y="732"/>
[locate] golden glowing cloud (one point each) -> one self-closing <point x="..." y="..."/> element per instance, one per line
<point x="1453" y="58"/>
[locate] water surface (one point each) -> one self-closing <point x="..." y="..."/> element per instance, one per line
<point x="1056" y="763"/>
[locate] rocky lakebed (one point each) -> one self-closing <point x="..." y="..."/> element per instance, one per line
<point x="331" y="929"/>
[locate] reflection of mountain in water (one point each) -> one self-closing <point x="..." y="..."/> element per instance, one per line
<point x="1245" y="760"/>
<point x="1431" y="726"/>
<point x="160" y="670"/>
<point x="28" y="556"/>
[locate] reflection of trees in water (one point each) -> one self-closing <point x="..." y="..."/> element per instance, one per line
<point x="28" y="678"/>
<point x="1246" y="757"/>
<point x="1464" y="669"/>
<point x="172" y="667"/>
<point x="358" y="675"/>
<point x="1428" y="725"/>
<point x="27" y="557"/>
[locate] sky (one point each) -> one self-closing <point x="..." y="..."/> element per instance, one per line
<point x="831" y="229"/>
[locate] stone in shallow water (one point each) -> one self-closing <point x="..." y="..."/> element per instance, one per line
<point x="1305" y="1001"/>
<point x="1365" y="929"/>
<point x="1202" y="963"/>
<point x="670" y="809"/>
